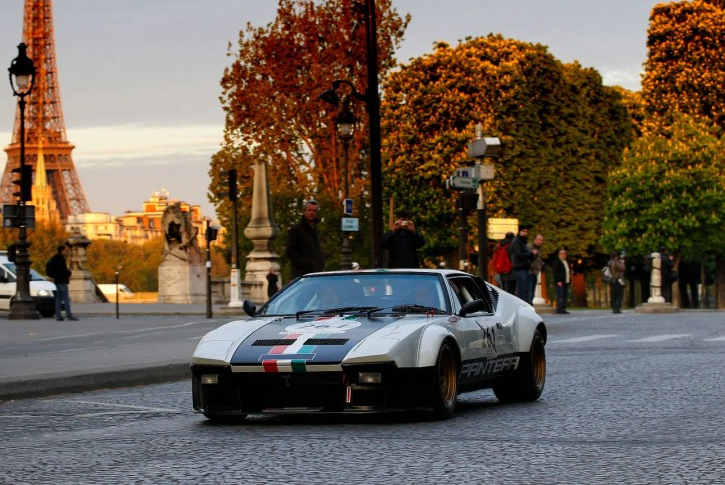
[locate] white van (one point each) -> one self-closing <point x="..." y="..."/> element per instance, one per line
<point x="109" y="291"/>
<point x="41" y="289"/>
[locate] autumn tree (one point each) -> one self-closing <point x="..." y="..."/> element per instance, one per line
<point x="560" y="129"/>
<point x="685" y="67"/>
<point x="670" y="191"/>
<point x="270" y="96"/>
<point x="137" y="264"/>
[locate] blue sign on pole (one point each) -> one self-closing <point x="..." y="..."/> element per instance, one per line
<point x="348" y="206"/>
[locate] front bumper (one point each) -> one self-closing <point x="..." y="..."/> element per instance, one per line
<point x="254" y="392"/>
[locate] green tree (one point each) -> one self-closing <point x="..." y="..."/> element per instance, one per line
<point x="270" y="96"/>
<point x="670" y="191"/>
<point x="560" y="129"/>
<point x="685" y="68"/>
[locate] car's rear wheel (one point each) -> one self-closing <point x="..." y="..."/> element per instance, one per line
<point x="527" y="384"/>
<point x="445" y="382"/>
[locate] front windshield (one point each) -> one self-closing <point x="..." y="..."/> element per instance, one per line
<point x="358" y="290"/>
<point x="34" y="275"/>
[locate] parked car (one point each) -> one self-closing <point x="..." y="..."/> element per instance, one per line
<point x="374" y="340"/>
<point x="41" y="289"/>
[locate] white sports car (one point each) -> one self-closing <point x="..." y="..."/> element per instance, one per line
<point x="370" y="341"/>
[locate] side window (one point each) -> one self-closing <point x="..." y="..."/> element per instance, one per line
<point x="467" y="289"/>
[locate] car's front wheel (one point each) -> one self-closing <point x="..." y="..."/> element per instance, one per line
<point x="445" y="382"/>
<point x="527" y="383"/>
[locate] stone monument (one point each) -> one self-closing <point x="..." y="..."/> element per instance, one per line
<point x="81" y="287"/>
<point x="261" y="230"/>
<point x="182" y="275"/>
<point x="656" y="303"/>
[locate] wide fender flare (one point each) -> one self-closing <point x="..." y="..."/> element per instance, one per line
<point x="430" y="343"/>
<point x="527" y="322"/>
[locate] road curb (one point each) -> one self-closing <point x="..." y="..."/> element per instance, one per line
<point x="63" y="384"/>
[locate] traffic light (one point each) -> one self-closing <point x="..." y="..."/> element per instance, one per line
<point x="211" y="233"/>
<point x="25" y="183"/>
<point x="232" y="184"/>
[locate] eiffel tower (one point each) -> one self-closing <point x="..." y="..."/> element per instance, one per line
<point x="45" y="136"/>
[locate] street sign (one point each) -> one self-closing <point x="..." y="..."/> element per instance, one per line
<point x="347" y="206"/>
<point x="497" y="228"/>
<point x="350" y="224"/>
<point x="461" y="183"/>
<point x="479" y="171"/>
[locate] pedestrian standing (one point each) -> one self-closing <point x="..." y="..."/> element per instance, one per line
<point x="304" y="250"/>
<point x="402" y="242"/>
<point x="272" y="280"/>
<point x="617" y="266"/>
<point x="522" y="257"/>
<point x="562" y="278"/>
<point x="57" y="269"/>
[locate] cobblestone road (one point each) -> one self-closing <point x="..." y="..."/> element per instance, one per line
<point x="627" y="400"/>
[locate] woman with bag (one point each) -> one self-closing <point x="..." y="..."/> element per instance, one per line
<point x="617" y="266"/>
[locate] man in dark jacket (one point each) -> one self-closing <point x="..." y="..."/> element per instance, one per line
<point x="58" y="270"/>
<point x="402" y="243"/>
<point x="522" y="257"/>
<point x="304" y="250"/>
<point x="562" y="279"/>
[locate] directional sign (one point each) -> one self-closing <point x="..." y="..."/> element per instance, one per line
<point x="461" y="183"/>
<point x="350" y="224"/>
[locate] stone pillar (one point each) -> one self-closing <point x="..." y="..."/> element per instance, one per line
<point x="539" y="301"/>
<point x="81" y="286"/>
<point x="656" y="303"/>
<point x="261" y="230"/>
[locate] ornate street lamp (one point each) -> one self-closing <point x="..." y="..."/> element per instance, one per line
<point x="345" y="125"/>
<point x="22" y="78"/>
<point x="372" y="100"/>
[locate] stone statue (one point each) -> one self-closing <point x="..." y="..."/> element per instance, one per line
<point x="180" y="236"/>
<point x="181" y="273"/>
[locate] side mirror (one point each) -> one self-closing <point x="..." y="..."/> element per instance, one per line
<point x="472" y="307"/>
<point x="249" y="308"/>
<point x="3" y="277"/>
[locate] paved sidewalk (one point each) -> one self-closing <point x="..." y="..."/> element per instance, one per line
<point x="147" y="343"/>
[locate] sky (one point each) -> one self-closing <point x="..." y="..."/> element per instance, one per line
<point x="139" y="79"/>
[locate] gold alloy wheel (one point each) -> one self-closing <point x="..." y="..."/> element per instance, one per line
<point x="538" y="364"/>
<point x="447" y="375"/>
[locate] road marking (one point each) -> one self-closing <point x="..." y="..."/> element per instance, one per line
<point x="716" y="339"/>
<point x="584" y="339"/>
<point x="662" y="338"/>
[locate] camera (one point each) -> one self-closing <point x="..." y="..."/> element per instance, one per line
<point x="404" y="224"/>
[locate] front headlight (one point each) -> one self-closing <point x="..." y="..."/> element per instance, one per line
<point x="369" y="377"/>
<point x="45" y="293"/>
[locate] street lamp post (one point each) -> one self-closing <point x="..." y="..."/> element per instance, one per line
<point x="22" y="77"/>
<point x="372" y="102"/>
<point x="345" y="125"/>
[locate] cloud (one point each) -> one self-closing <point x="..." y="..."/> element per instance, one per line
<point x="143" y="145"/>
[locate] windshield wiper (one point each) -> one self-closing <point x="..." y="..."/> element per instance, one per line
<point x="341" y="310"/>
<point x="413" y="308"/>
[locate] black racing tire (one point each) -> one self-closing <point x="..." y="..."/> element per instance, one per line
<point x="528" y="381"/>
<point x="444" y="387"/>
<point x="46" y="313"/>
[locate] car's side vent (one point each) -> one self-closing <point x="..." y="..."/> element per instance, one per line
<point x="494" y="297"/>
<point x="271" y="342"/>
<point x="326" y="341"/>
